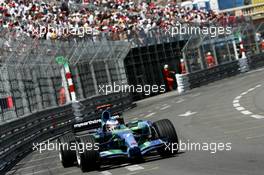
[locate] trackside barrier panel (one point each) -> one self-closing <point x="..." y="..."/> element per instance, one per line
<point x="182" y="82"/>
<point x="243" y="64"/>
<point x="256" y="61"/>
<point x="17" y="137"/>
<point x="206" y="76"/>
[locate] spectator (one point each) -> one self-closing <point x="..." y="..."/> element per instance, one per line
<point x="116" y="17"/>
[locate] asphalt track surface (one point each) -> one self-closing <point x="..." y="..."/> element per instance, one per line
<point x="205" y="114"/>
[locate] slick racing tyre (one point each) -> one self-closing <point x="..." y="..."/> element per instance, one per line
<point x="67" y="156"/>
<point x="135" y="155"/>
<point x="88" y="159"/>
<point x="166" y="131"/>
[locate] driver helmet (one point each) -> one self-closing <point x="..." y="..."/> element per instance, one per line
<point x="111" y="125"/>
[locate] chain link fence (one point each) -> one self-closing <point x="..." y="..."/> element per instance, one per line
<point x="33" y="79"/>
<point x="223" y="46"/>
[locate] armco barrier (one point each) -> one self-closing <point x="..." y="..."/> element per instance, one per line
<point x="17" y="137"/>
<point x="256" y="61"/>
<point x="207" y="76"/>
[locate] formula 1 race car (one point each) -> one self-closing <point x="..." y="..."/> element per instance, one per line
<point x="108" y="138"/>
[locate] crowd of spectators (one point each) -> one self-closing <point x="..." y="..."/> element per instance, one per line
<point x="116" y="18"/>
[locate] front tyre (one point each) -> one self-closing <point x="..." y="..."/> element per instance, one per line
<point x="88" y="159"/>
<point x="135" y="155"/>
<point x="66" y="155"/>
<point x="166" y="131"/>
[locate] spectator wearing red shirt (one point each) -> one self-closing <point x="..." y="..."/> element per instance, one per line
<point x="210" y="60"/>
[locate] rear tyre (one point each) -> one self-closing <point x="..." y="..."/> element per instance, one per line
<point x="88" y="159"/>
<point x="166" y="131"/>
<point x="67" y="156"/>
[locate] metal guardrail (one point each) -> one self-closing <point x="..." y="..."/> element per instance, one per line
<point x="256" y="61"/>
<point x="206" y="76"/>
<point x="17" y="137"/>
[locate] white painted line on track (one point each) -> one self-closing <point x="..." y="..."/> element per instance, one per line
<point x="187" y="114"/>
<point x="149" y="115"/>
<point x="257" y="116"/>
<point x="143" y="171"/>
<point x="236" y="105"/>
<point x="165" y="107"/>
<point x="246" y="112"/>
<point x="195" y="95"/>
<point x="241" y="109"/>
<point x="141" y="115"/>
<point x="251" y="89"/>
<point x="236" y="101"/>
<point x="254" y="137"/>
<point x="180" y="101"/>
<point x="71" y="172"/>
<point x="244" y="93"/>
<point x="106" y="173"/>
<point x="134" y="168"/>
<point x="238" y="97"/>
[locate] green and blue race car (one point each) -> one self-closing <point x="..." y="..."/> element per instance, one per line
<point x="108" y="138"/>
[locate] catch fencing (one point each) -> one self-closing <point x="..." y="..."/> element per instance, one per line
<point x="234" y="53"/>
<point x="33" y="79"/>
<point x="224" y="47"/>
